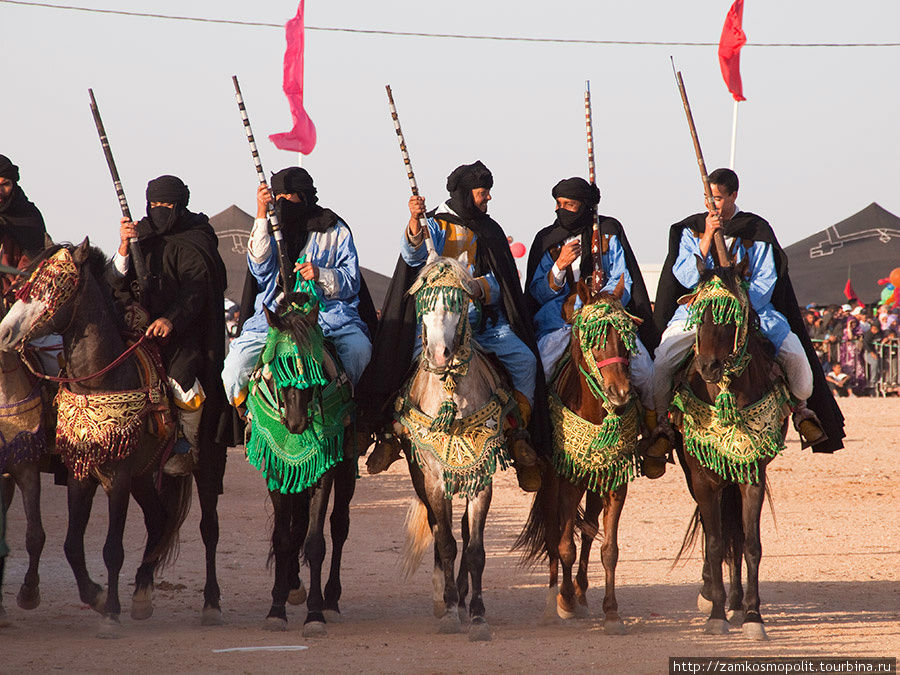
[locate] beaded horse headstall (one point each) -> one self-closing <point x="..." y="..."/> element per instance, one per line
<point x="591" y="326"/>
<point x="729" y="307"/>
<point x="54" y="282"/>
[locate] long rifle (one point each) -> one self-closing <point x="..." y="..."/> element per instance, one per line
<point x="597" y="276"/>
<point x="134" y="248"/>
<point x="423" y="222"/>
<point x="718" y="237"/>
<point x="284" y="265"/>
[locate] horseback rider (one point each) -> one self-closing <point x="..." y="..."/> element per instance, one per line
<point x="325" y="242"/>
<point x="22" y="237"/>
<point x="460" y="228"/>
<point x="553" y="274"/>
<point x="747" y="236"/>
<point x="186" y="285"/>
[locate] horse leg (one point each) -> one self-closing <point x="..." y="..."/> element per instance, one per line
<point x="479" y="630"/>
<point x="753" y="496"/>
<point x="299" y="521"/>
<point x="209" y="532"/>
<point x="708" y="497"/>
<point x="344" y="487"/>
<point x="29" y="480"/>
<point x="80" y="496"/>
<point x="569" y="498"/>
<point x="613" y="502"/>
<point x="445" y="550"/>
<point x="462" y="574"/>
<point x="593" y="507"/>
<point x="114" y="552"/>
<point x="735" y="610"/>
<point x="281" y="547"/>
<point x="144" y="492"/>
<point x="314" y="548"/>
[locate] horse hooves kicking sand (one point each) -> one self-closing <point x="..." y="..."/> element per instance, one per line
<point x="332" y="616"/>
<point x="142" y="604"/>
<point x="211" y="616"/>
<point x="274" y="623"/>
<point x="716" y="627"/>
<point x="314" y="629"/>
<point x="110" y="628"/>
<point x="450" y="623"/>
<point x="28" y="597"/>
<point x="479" y="630"/>
<point x="754" y="631"/>
<point x="616" y="627"/>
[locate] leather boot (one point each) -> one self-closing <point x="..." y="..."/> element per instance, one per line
<point x="654" y="463"/>
<point x="807" y="425"/>
<point x="528" y="472"/>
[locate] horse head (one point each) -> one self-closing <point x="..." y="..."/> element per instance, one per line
<point x="603" y="337"/>
<point x="296" y="345"/>
<point x="45" y="302"/>
<point x="720" y="308"/>
<point x="443" y="291"/>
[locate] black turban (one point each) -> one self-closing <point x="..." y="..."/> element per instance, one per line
<point x="579" y="189"/>
<point x="294" y="180"/>
<point x="460" y="184"/>
<point x="168" y="189"/>
<point x="8" y="169"/>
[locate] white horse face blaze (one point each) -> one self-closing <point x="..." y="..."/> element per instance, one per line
<point x="439" y="333"/>
<point x="20" y="317"/>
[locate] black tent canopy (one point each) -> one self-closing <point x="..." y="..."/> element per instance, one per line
<point x="233" y="227"/>
<point x="863" y="248"/>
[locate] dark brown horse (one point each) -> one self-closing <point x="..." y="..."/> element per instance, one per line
<point x="593" y="384"/>
<point x="730" y="390"/>
<point x="66" y="295"/>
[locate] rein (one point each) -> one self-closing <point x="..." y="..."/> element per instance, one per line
<point x="103" y="371"/>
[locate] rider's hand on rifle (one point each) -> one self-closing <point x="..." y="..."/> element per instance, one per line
<point x="263" y="197"/>
<point x="308" y="270"/>
<point x="127" y="230"/>
<point x="569" y="254"/>
<point x="416" y="211"/>
<point x="160" y="328"/>
<point x="713" y="223"/>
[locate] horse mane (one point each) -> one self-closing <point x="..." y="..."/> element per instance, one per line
<point x="457" y="269"/>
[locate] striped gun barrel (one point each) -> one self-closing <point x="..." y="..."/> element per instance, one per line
<point x="597" y="276"/>
<point x="274" y="225"/>
<point x="423" y="223"/>
<point x="134" y="247"/>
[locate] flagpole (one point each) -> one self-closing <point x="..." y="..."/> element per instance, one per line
<point x="733" y="135"/>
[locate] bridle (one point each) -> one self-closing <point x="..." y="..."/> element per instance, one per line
<point x="591" y="326"/>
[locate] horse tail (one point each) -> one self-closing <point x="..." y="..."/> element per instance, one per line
<point x="175" y="495"/>
<point x="543" y="522"/>
<point x="690" y="536"/>
<point x="418" y="537"/>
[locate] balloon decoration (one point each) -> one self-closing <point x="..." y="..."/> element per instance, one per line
<point x="895" y="277"/>
<point x="518" y="249"/>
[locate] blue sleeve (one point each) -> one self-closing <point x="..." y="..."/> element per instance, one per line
<point x="540" y="285"/>
<point x="685" y="267"/>
<point x="763" y="274"/>
<point x="416" y="257"/>
<point x="265" y="270"/>
<point x="346" y="268"/>
<point x="492" y="296"/>
<point x="615" y="267"/>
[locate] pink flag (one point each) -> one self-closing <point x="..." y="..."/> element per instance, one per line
<point x="730" y="44"/>
<point x="302" y="138"/>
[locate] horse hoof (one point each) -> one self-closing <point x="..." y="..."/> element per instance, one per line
<point x="332" y="616"/>
<point x="314" y="629"/>
<point x="142" y="605"/>
<point x="716" y="627"/>
<point x="439" y="609"/>
<point x="479" y="630"/>
<point x="755" y="631"/>
<point x="211" y="616"/>
<point x="735" y="617"/>
<point x="110" y="628"/>
<point x="99" y="603"/>
<point x="563" y="611"/>
<point x="616" y="627"/>
<point x="28" y="597"/>
<point x="582" y="611"/>
<point x="449" y="623"/>
<point x="704" y="605"/>
<point x="275" y="624"/>
<point x="297" y="596"/>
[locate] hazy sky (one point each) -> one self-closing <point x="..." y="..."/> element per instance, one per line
<point x="819" y="137"/>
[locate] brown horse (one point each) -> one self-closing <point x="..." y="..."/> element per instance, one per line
<point x="66" y="294"/>
<point x="593" y="385"/>
<point x="731" y="407"/>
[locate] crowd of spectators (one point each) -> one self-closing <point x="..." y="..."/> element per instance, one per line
<point x="857" y="346"/>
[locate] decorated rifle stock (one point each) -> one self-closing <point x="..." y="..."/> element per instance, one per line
<point x="597" y="276"/>
<point x="423" y="223"/>
<point x="718" y="237"/>
<point x="285" y="266"/>
<point x="134" y="247"/>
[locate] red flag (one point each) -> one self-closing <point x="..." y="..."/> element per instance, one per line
<point x="302" y="138"/>
<point x="849" y="293"/>
<point x="730" y="44"/>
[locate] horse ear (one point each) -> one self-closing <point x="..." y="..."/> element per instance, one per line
<point x="432" y="257"/>
<point x="742" y="269"/>
<point x="271" y="317"/>
<point x="82" y="251"/>
<point x="568" y="308"/>
<point x="701" y="264"/>
<point x="584" y="292"/>
<point x="620" y="287"/>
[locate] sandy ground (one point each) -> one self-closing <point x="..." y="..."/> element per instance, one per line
<point x="830" y="580"/>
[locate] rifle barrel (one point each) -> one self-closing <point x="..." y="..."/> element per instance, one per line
<point x="597" y="276"/>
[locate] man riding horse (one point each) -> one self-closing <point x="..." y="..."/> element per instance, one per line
<point x="747" y="236"/>
<point x="460" y="228"/>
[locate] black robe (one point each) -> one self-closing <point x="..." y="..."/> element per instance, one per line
<point x="639" y="304"/>
<point x="21" y="221"/>
<point x="751" y="227"/>
<point x="187" y="286"/>
<point x="392" y="349"/>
